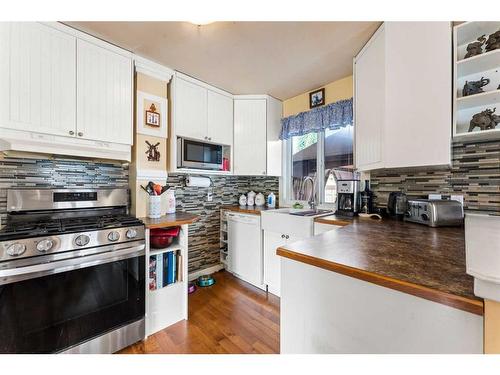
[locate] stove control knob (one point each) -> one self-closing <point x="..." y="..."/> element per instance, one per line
<point x="16" y="249"/>
<point x="44" y="245"/>
<point x="425" y="217"/>
<point x="113" y="236"/>
<point x="82" y="240"/>
<point x="131" y="233"/>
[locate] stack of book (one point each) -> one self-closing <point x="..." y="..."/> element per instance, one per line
<point x="165" y="269"/>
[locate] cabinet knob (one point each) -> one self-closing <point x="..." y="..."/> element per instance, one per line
<point x="209" y="138"/>
<point x="71" y="132"/>
<point x="282" y="236"/>
<point x="80" y="134"/>
<point x="287" y="236"/>
<point x="263" y="172"/>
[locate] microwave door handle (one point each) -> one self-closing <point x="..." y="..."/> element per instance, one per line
<point x="38" y="270"/>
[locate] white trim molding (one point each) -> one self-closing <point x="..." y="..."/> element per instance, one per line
<point x="152" y="69"/>
<point x="205" y="271"/>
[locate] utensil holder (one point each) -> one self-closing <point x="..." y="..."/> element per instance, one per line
<point x="154" y="211"/>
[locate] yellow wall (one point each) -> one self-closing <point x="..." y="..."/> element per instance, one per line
<point x="334" y="91"/>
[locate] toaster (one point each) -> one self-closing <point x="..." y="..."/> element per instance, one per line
<point x="435" y="212"/>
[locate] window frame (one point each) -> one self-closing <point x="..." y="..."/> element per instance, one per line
<point x="286" y="192"/>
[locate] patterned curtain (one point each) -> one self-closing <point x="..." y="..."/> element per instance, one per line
<point x="331" y="116"/>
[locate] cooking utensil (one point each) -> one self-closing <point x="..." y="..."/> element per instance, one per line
<point x="161" y="238"/>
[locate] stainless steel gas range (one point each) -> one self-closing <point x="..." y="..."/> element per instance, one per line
<point x="72" y="272"/>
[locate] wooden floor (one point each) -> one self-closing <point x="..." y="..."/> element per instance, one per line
<point x="229" y="317"/>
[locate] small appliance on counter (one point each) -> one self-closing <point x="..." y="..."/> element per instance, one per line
<point x="397" y="204"/>
<point x="366" y="199"/>
<point x="348" y="197"/>
<point x="435" y="212"/>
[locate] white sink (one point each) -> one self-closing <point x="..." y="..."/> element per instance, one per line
<point x="286" y="220"/>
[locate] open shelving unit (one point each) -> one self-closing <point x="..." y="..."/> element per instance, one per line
<point x="224" y="253"/>
<point x="474" y="68"/>
<point x="168" y="305"/>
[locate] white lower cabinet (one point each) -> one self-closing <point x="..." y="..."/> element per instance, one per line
<point x="272" y="267"/>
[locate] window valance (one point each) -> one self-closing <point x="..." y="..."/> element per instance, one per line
<point x="331" y="116"/>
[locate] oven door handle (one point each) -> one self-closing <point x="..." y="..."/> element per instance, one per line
<point x="43" y="269"/>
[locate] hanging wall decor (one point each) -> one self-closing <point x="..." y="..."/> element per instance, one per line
<point x="317" y="98"/>
<point x="151" y="115"/>
<point x="152" y="151"/>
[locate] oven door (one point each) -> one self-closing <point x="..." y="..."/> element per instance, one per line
<point x="51" y="307"/>
<point x="200" y="155"/>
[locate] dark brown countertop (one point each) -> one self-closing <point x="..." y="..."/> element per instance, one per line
<point x="170" y="220"/>
<point x="253" y="210"/>
<point x="412" y="258"/>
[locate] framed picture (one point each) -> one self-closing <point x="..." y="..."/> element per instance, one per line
<point x="151" y="116"/>
<point x="317" y="98"/>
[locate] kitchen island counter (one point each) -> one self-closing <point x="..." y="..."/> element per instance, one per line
<point x="411" y="258"/>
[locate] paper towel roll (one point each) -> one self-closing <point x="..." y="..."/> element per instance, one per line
<point x="198" y="181"/>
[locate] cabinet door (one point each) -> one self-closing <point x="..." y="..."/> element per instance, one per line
<point x="190" y="110"/>
<point x="38" y="75"/>
<point x="220" y="118"/>
<point x="418" y="85"/>
<point x="250" y="137"/>
<point x="274" y="146"/>
<point x="104" y="94"/>
<point x="369" y="68"/>
<point x="272" y="262"/>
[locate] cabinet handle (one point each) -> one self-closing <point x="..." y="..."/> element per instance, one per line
<point x="80" y="134"/>
<point x="71" y="132"/>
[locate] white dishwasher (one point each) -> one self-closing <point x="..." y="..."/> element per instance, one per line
<point x="244" y="237"/>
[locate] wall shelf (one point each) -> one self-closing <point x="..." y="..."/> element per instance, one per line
<point x="485" y="65"/>
<point x="479" y="63"/>
<point x="483" y="99"/>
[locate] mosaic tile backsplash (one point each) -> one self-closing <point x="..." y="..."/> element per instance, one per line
<point x="70" y="173"/>
<point x="57" y="173"/>
<point x="474" y="173"/>
<point x="205" y="233"/>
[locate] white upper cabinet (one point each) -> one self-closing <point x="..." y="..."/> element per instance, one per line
<point x="369" y="96"/>
<point x="403" y="88"/>
<point x="190" y="110"/>
<point x="202" y="112"/>
<point x="104" y="94"/>
<point x="257" y="126"/>
<point x="250" y="136"/>
<point x="220" y="118"/>
<point x="257" y="147"/>
<point x="38" y="78"/>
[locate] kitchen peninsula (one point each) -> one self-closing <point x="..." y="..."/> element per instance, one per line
<point x="379" y="287"/>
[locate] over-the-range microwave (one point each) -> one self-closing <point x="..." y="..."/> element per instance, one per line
<point x="199" y="155"/>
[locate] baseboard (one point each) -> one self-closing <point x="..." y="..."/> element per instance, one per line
<point x="205" y="271"/>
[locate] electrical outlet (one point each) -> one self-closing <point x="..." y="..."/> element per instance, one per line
<point x="209" y="196"/>
<point x="457" y="197"/>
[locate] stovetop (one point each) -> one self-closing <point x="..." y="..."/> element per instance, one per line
<point x="17" y="229"/>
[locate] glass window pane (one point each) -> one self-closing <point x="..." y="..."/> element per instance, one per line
<point x="304" y="164"/>
<point x="338" y="158"/>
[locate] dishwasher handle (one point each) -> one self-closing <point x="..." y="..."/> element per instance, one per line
<point x="245" y="219"/>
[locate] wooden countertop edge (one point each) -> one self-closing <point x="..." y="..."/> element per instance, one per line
<point x="338" y="222"/>
<point x="167" y="224"/>
<point x="458" y="302"/>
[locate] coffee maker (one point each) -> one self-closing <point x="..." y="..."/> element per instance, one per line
<point x="347" y="197"/>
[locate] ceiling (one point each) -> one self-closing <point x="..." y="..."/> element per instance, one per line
<point x="282" y="59"/>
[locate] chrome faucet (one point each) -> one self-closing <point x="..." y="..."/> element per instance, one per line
<point x="312" y="200"/>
